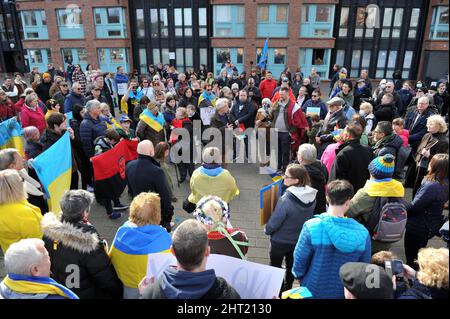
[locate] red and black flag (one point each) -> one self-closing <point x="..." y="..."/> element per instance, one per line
<point x="109" y="169"/>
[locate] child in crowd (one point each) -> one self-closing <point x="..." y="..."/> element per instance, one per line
<point x="124" y="130"/>
<point x="398" y="125"/>
<point x="103" y="144"/>
<point x="315" y="127"/>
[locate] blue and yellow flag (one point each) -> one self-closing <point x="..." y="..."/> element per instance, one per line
<point x="130" y="249"/>
<point x="37" y="285"/>
<point x="155" y="122"/>
<point x="54" y="169"/>
<point x="11" y="135"/>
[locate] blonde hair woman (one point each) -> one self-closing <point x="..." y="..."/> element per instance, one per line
<point x="213" y="213"/>
<point x="435" y="141"/>
<point x="139" y="236"/>
<point x="431" y="281"/>
<point x="18" y="218"/>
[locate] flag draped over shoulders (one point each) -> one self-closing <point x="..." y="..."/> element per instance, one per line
<point x="54" y="169"/>
<point x="155" y="122"/>
<point x="11" y="135"/>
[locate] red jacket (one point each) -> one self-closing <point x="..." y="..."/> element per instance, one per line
<point x="276" y="96"/>
<point x="177" y="124"/>
<point x="33" y="118"/>
<point x="296" y="117"/>
<point x="267" y="87"/>
<point x="6" y="110"/>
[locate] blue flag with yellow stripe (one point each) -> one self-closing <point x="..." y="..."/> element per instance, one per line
<point x="54" y="169"/>
<point x="11" y="135"/>
<point x="130" y="248"/>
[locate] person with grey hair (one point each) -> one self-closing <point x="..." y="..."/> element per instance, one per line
<point x="396" y="100"/>
<point x="91" y="127"/>
<point x="11" y="159"/>
<point x="74" y="97"/>
<point x="27" y="264"/>
<point x="318" y="174"/>
<point x="75" y="245"/>
<point x="189" y="279"/>
<point x="32" y="114"/>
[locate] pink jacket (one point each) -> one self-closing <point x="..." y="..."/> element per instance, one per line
<point x="404" y="134"/>
<point x="31" y="117"/>
<point x="329" y="155"/>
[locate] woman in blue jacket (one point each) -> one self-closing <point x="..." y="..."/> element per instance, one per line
<point x="293" y="209"/>
<point x="425" y="212"/>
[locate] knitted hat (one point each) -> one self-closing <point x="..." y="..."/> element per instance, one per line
<point x="45" y="75"/>
<point x="366" y="281"/>
<point x="382" y="167"/>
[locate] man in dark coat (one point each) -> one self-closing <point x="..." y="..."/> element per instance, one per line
<point x="242" y="110"/>
<point x="387" y="110"/>
<point x="91" y="127"/>
<point x="397" y="100"/>
<point x="189" y="279"/>
<point x="145" y="175"/>
<point x="352" y="158"/>
<point x="416" y="122"/>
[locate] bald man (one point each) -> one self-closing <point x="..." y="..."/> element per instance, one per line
<point x="145" y="175"/>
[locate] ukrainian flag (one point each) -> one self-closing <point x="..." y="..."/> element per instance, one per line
<point x="130" y="248"/>
<point x="11" y="135"/>
<point x="37" y="285"/>
<point x="54" y="169"/>
<point x="155" y="122"/>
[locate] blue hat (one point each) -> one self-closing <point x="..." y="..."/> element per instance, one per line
<point x="124" y="118"/>
<point x="382" y="167"/>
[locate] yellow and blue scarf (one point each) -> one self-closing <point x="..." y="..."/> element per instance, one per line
<point x="37" y="285"/>
<point x="155" y="122"/>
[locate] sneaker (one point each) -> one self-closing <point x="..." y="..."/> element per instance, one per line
<point x="90" y="189"/>
<point x="115" y="215"/>
<point x="120" y="207"/>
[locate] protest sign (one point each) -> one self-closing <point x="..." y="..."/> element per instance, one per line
<point x="251" y="280"/>
<point x="206" y="114"/>
<point x="268" y="197"/>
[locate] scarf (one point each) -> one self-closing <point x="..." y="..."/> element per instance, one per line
<point x="37" y="285"/>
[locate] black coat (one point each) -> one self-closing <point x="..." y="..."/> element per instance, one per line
<point x="318" y="175"/>
<point x="416" y="130"/>
<point x="80" y="245"/>
<point x="145" y="175"/>
<point x="420" y="291"/>
<point x="364" y="94"/>
<point x="386" y="112"/>
<point x="245" y="115"/>
<point x="351" y="163"/>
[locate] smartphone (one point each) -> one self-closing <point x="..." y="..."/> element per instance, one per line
<point x="397" y="267"/>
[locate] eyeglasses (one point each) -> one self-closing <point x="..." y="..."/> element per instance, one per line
<point x="64" y="85"/>
<point x="288" y="177"/>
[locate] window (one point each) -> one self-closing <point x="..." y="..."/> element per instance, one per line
<point x="279" y="56"/>
<point x="204" y="56"/>
<point x="34" y="24"/>
<point x="356" y="56"/>
<point x="2" y="29"/>
<point x="229" y="20"/>
<point x="439" y="25"/>
<point x="398" y="18"/>
<point x="263" y="13"/>
<point x="343" y="22"/>
<point x="142" y="61"/>
<point x="393" y="19"/>
<point x="202" y="22"/>
<point x="110" y="22"/>
<point x="111" y="58"/>
<point x="183" y="16"/>
<point x="407" y="61"/>
<point x="165" y="56"/>
<point x="159" y="23"/>
<point x="414" y="22"/>
<point x="381" y="63"/>
<point x="70" y="24"/>
<point x="222" y="55"/>
<point x="340" y="55"/>
<point x="360" y="22"/>
<point x="282" y="13"/>
<point x="185" y="59"/>
<point x="140" y="23"/>
<point x="317" y="21"/>
<point x="240" y="56"/>
<point x="114" y="15"/>
<point x="272" y="20"/>
<point x="35" y="56"/>
<point x="317" y="58"/>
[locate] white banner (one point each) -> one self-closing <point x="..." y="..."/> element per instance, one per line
<point x="122" y="88"/>
<point x="251" y="280"/>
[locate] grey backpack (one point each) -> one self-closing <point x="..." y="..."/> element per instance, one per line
<point x="387" y="222"/>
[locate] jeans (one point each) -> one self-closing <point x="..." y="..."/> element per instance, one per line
<point x="284" y="150"/>
<point x="278" y="252"/>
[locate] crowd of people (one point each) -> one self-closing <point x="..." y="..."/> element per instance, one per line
<point x="346" y="158"/>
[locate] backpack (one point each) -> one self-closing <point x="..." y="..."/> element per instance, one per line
<point x="387" y="222"/>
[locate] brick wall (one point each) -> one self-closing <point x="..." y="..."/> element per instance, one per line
<point x="89" y="42"/>
<point x="292" y="43"/>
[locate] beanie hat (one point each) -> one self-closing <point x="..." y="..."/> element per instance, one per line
<point x="235" y="86"/>
<point x="382" y="167"/>
<point x="366" y="281"/>
<point x="45" y="75"/>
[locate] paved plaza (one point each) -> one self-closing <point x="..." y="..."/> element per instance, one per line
<point x="244" y="213"/>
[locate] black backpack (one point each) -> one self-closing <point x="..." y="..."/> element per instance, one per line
<point x="387" y="222"/>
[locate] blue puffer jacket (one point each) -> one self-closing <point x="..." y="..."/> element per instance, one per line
<point x="293" y="209"/>
<point x="90" y="129"/>
<point x="325" y="244"/>
<point x="425" y="211"/>
<point x="72" y="99"/>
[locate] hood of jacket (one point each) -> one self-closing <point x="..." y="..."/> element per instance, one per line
<point x="392" y="140"/>
<point x="316" y="170"/>
<point x="177" y="284"/>
<point x="346" y="234"/>
<point x="81" y="238"/>
<point x="305" y="194"/>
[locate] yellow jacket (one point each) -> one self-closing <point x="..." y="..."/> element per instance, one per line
<point x="216" y="182"/>
<point x="18" y="221"/>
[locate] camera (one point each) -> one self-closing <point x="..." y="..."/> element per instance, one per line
<point x="394" y="267"/>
